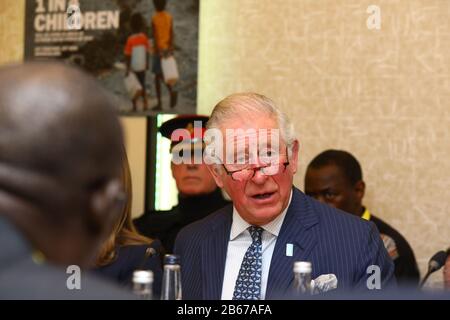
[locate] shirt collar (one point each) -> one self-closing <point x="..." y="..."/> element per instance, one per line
<point x="239" y="225"/>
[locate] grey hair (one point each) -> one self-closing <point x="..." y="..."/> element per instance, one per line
<point x="247" y="104"/>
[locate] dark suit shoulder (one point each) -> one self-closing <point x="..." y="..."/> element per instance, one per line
<point x="198" y="230"/>
<point x="133" y="256"/>
<point x="130" y="258"/>
<point x="27" y="280"/>
<point x="351" y="243"/>
<point x="346" y="229"/>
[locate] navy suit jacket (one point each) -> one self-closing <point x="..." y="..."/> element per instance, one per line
<point x="22" y="278"/>
<point x="332" y="240"/>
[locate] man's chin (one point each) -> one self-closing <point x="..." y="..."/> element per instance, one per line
<point x="191" y="192"/>
<point x="262" y="216"/>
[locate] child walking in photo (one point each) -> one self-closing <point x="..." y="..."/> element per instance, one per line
<point x="162" y="26"/>
<point x="136" y="53"/>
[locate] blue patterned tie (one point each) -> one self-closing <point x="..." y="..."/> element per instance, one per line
<point x="248" y="283"/>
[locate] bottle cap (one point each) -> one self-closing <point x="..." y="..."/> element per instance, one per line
<point x="302" y="267"/>
<point x="171" y="259"/>
<point x="142" y="276"/>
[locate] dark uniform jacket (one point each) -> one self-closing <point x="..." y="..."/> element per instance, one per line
<point x="406" y="270"/>
<point x="21" y="277"/>
<point x="165" y="225"/>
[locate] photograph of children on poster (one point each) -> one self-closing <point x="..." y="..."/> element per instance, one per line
<point x="143" y="51"/>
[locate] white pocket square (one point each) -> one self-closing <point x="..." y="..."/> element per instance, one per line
<point x="324" y="283"/>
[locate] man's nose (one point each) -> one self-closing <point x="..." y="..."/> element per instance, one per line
<point x="259" y="177"/>
<point x="192" y="166"/>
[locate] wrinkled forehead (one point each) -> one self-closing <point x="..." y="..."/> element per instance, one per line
<point x="259" y="130"/>
<point x="248" y="138"/>
<point x="248" y="120"/>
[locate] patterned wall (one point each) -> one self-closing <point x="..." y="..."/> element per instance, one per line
<point x="382" y="94"/>
<point x="12" y="26"/>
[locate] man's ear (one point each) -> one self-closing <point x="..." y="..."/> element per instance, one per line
<point x="107" y="205"/>
<point x="216" y="173"/>
<point x="293" y="160"/>
<point x="360" y="189"/>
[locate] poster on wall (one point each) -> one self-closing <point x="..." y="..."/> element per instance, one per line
<point x="143" y="51"/>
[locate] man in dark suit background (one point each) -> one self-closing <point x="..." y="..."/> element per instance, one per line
<point x="60" y="192"/>
<point x="247" y="250"/>
<point x="198" y="194"/>
<point x="335" y="177"/>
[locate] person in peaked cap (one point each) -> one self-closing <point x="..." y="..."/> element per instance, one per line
<point x="198" y="194"/>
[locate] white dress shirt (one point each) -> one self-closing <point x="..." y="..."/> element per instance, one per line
<point x="240" y="240"/>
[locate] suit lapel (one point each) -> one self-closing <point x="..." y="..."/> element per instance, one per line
<point x="296" y="230"/>
<point x="214" y="253"/>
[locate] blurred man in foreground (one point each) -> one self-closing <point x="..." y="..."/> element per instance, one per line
<point x="60" y="193"/>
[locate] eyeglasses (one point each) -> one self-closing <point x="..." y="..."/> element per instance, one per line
<point x="247" y="173"/>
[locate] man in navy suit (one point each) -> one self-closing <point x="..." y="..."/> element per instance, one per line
<point x="247" y="250"/>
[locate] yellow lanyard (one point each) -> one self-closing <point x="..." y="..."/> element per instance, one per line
<point x="366" y="215"/>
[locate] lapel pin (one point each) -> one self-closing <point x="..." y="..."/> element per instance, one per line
<point x="289" y="250"/>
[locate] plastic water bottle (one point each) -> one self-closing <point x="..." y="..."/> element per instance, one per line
<point x="171" y="282"/>
<point x="143" y="284"/>
<point x="302" y="278"/>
